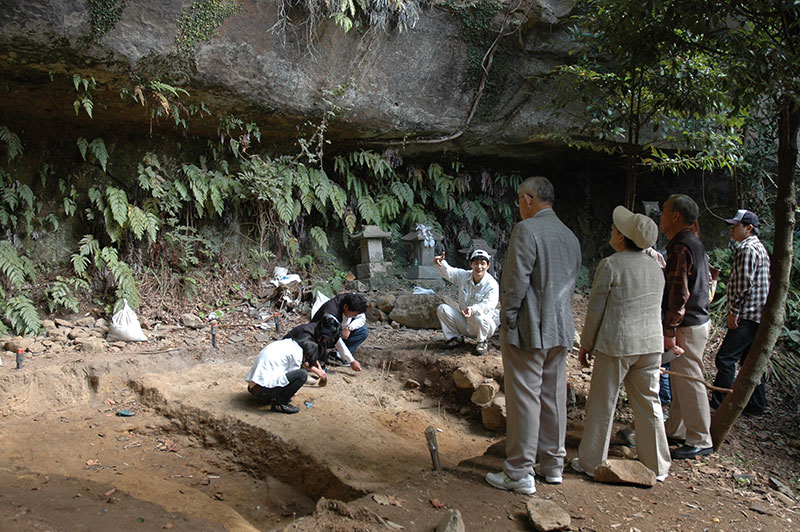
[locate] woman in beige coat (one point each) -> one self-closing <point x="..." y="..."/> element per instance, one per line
<point x="623" y="334"/>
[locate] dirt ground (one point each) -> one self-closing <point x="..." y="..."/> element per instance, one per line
<point x="199" y="454"/>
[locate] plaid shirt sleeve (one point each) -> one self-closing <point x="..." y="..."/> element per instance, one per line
<point x="679" y="263"/>
<point x="747" y="291"/>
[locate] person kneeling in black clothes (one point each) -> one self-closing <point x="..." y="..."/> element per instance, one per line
<point x="282" y="367"/>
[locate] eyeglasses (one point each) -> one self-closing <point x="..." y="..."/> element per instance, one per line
<point x="516" y="203"/>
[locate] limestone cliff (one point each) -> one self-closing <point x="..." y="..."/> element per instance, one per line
<point x="392" y="85"/>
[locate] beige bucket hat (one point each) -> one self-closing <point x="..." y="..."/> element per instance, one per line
<point x="638" y="227"/>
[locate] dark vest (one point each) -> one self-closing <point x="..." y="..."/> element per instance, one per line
<point x="697" y="306"/>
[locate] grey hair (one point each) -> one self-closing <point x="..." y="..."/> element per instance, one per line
<point x="685" y="206"/>
<point x="539" y="188"/>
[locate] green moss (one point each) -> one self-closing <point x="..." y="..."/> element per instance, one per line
<point x="200" y="21"/>
<point x="476" y="28"/>
<point x="104" y="16"/>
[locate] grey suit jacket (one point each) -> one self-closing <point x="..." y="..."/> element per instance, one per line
<point x="624" y="314"/>
<point x="537" y="284"/>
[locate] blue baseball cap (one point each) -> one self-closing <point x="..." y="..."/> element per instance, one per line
<point x="744" y="217"/>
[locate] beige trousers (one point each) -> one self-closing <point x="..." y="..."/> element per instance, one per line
<point x="641" y="376"/>
<point x="690" y="415"/>
<point x="535" y="384"/>
<point x="455" y="324"/>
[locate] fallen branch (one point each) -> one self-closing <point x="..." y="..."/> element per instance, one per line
<point x="170" y="350"/>
<point x="709" y="386"/>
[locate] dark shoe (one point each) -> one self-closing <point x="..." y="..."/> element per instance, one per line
<point x="284" y="408"/>
<point x="675" y="441"/>
<point x="753" y="412"/>
<point x="687" y="451"/>
<point x="627" y="436"/>
<point x="454" y="342"/>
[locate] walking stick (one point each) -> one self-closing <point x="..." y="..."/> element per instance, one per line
<point x="696" y="379"/>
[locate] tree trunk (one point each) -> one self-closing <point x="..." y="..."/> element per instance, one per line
<point x="773" y="314"/>
<point x="631" y="160"/>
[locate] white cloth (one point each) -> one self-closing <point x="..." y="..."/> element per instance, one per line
<point x="455" y="324"/>
<point x="482" y="297"/>
<point x="274" y="362"/>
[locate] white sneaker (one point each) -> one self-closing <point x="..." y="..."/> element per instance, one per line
<point x="575" y="464"/>
<point x="550" y="479"/>
<point x="500" y="480"/>
<point x="662" y="478"/>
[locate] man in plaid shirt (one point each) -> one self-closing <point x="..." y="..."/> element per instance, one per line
<point x="747" y="292"/>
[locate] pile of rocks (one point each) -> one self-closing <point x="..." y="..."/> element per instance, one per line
<point x="485" y="394"/>
<point x="84" y="334"/>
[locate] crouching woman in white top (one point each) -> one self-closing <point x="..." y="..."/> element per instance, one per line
<point x="282" y="367"/>
<point x="623" y="334"/>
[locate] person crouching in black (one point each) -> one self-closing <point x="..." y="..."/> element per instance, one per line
<point x="282" y="367"/>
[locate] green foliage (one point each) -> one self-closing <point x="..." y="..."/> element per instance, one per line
<point x="13" y="144"/>
<point x="21" y="313"/>
<point x="186" y="248"/>
<point x="61" y="293"/>
<point x="18" y="205"/>
<point x="104" y="15"/>
<point x="96" y="148"/>
<point x="378" y="14"/>
<point x="15" y="306"/>
<point x="190" y="288"/>
<point x="476" y="18"/>
<point x="106" y="265"/>
<point x="84" y="88"/>
<point x="201" y="20"/>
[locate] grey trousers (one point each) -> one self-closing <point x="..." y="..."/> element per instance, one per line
<point x="641" y="377"/>
<point x="690" y="414"/>
<point x="535" y="384"/>
<point x="455" y="324"/>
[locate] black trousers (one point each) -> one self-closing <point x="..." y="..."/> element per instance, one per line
<point x="734" y="350"/>
<point x="281" y="394"/>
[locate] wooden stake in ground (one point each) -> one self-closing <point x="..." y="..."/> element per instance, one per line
<point x="433" y="446"/>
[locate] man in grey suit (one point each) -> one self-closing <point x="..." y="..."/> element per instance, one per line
<point x="536" y="333"/>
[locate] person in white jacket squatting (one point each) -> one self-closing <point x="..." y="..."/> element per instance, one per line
<point x="478" y="295"/>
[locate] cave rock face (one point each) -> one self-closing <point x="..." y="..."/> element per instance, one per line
<point x="389" y="84"/>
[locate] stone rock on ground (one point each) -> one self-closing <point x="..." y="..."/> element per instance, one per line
<point x="624" y="472"/>
<point x="48" y="325"/>
<point x="36" y="347"/>
<point x="64" y="323"/>
<point x="91" y="345"/>
<point x="88" y="321"/>
<point x="451" y="522"/>
<point x="546" y="515"/>
<point x="493" y="415"/>
<point x="467" y="378"/>
<point x="416" y="311"/>
<point x="485" y="392"/>
<point x="18" y="342"/>
<point x="77" y="332"/>
<point x="385" y="302"/>
<point x="191" y="321"/>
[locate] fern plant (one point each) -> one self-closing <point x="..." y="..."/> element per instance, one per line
<point x="105" y="263"/>
<point x="15" y="305"/>
<point x="61" y="293"/>
<point x="12" y="142"/>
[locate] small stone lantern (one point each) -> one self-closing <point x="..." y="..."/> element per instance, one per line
<point x="424" y="241"/>
<point x="372" y="261"/>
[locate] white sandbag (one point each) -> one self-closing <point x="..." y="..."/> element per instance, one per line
<point x="125" y="326"/>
